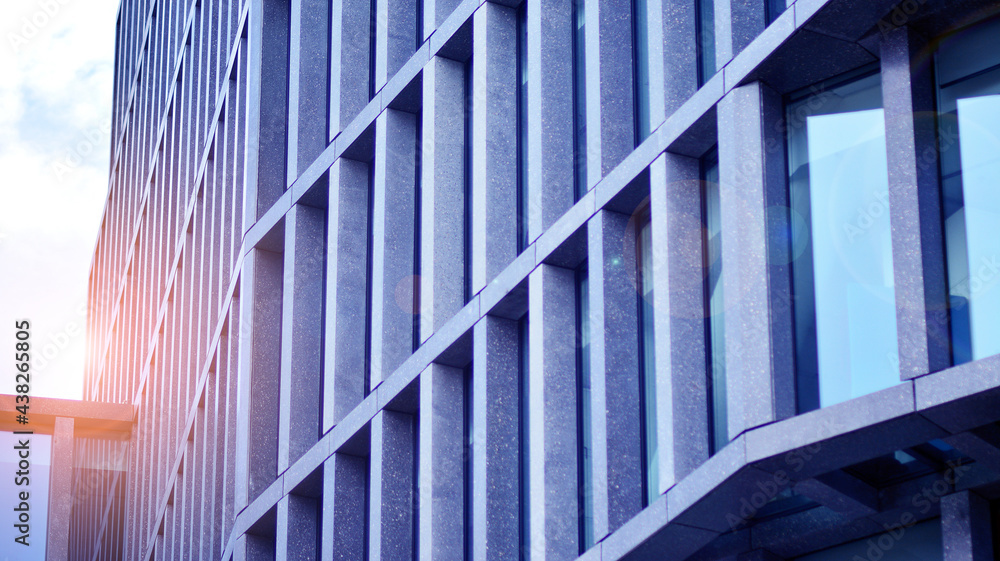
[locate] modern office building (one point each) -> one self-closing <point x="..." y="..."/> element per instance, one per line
<point x="545" y="280"/>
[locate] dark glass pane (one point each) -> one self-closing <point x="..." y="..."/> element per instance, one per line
<point x="774" y="9"/>
<point x="706" y="40"/>
<point x="585" y="445"/>
<point x="716" y="305"/>
<point x="522" y="128"/>
<point x="579" y="98"/>
<point x="648" y="357"/>
<point x="640" y="46"/>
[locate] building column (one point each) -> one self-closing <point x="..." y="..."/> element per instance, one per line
<point x="346" y="290"/>
<point x="391" y="504"/>
<point x="395" y="36"/>
<point x="60" y="490"/>
<point x="550" y="113"/>
<point x="552" y="424"/>
<point x="494" y="142"/>
<point x="737" y="23"/>
<point x="393" y="236"/>
<point x="301" y="334"/>
<point x="350" y="36"/>
<point x="267" y="113"/>
<point x="758" y="323"/>
<point x="343" y="520"/>
<point x="918" y="259"/>
<point x="442" y="451"/>
<point x="679" y="316"/>
<point x="679" y="64"/>
<point x="495" y="452"/>
<point x="297" y="529"/>
<point x="442" y="191"/>
<point x="309" y="66"/>
<point x="614" y="371"/>
<point x="610" y="86"/>
<point x="966" y="533"/>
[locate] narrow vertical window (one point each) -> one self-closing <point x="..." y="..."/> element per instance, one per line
<point x="640" y="64"/>
<point x="774" y="8"/>
<point x="968" y="78"/>
<point x="714" y="303"/>
<point x="419" y="24"/>
<point x="417" y="196"/>
<point x="705" y="18"/>
<point x="647" y="358"/>
<point x="415" y="489"/>
<point x="372" y="47"/>
<point x="524" y="525"/>
<point x="370" y="235"/>
<point x="467" y="177"/>
<point x="522" y="127"/>
<point x="579" y="99"/>
<point x="842" y="275"/>
<point x="585" y="445"/>
<point x="468" y="443"/>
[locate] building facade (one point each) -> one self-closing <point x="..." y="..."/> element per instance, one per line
<point x="548" y="280"/>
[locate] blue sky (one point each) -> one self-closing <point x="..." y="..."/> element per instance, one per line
<point x="56" y="66"/>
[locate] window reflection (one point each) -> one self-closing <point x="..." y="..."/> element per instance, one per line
<point x="968" y="74"/>
<point x="714" y="303"/>
<point x="845" y="312"/>
<point x="706" y="40"/>
<point x="585" y="445"/>
<point x="648" y="363"/>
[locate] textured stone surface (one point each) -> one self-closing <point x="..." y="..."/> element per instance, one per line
<point x="193" y="254"/>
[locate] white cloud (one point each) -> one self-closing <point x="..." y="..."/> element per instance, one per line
<point x="56" y="60"/>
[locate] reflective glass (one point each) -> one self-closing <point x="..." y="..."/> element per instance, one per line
<point x="522" y="127"/>
<point x="706" y="40"/>
<point x="583" y="383"/>
<point x="640" y="55"/>
<point x="648" y="357"/>
<point x="845" y="312"/>
<point x="715" y="303"/>
<point x="774" y="9"/>
<point x="580" y="98"/>
<point x="968" y="76"/>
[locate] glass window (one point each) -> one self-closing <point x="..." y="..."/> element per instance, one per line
<point x="579" y="98"/>
<point x="522" y="127"/>
<point x="467" y="187"/>
<point x="774" y="9"/>
<point x="585" y="446"/>
<point x="968" y="77"/>
<point x="714" y="303"/>
<point x="845" y="312"/>
<point x="706" y="40"/>
<point x="640" y="62"/>
<point x="647" y="359"/>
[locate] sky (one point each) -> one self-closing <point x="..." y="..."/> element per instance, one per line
<point x="56" y="67"/>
